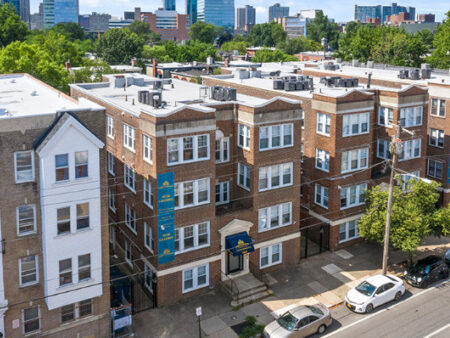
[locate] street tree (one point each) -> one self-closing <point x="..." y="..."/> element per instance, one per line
<point x="267" y="35"/>
<point x="203" y="32"/>
<point x="12" y="28"/>
<point x="440" y="58"/>
<point x="119" y="46"/>
<point x="267" y="55"/>
<point x="321" y="27"/>
<point x="71" y="30"/>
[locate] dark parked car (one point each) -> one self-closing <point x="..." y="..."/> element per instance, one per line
<point x="426" y="271"/>
<point x="447" y="257"/>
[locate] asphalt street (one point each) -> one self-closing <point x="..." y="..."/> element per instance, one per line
<point x="420" y="313"/>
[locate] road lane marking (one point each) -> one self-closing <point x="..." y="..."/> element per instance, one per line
<point x="437" y="331"/>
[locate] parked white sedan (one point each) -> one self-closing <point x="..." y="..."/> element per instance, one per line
<point x="373" y="292"/>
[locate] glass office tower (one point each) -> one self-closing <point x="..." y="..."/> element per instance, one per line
<point x="191" y="10"/>
<point x="218" y="12"/>
<point x="22" y="8"/>
<point x="56" y="11"/>
<point x="169" y="5"/>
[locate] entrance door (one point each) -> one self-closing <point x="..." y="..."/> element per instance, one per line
<point x="235" y="263"/>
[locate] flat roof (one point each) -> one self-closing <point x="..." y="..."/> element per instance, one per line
<point x="22" y="95"/>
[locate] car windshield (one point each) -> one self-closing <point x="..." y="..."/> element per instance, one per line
<point x="288" y="321"/>
<point x="366" y="288"/>
<point x="315" y="310"/>
<point x="420" y="267"/>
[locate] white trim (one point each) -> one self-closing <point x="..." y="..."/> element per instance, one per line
<point x="221" y="192"/>
<point x="325" y="159"/>
<point x="270" y="255"/>
<point x="148" y="159"/>
<point x="269" y="176"/>
<point x="36" y="266"/>
<point x="195" y="237"/>
<point x="281" y="136"/>
<point x="195" y="193"/>
<point x="110" y="126"/>
<point x="277" y="240"/>
<point x="188" y="266"/>
<point x="354" y="110"/>
<point x="180" y="149"/>
<point x="402" y="105"/>
<point x="148" y="189"/>
<point x="246" y="172"/>
<point x="127" y="129"/>
<point x="344" y="220"/>
<point x="147" y="226"/>
<point x="325" y="123"/>
<point x="245" y="136"/>
<point x="359" y="117"/>
<point x="322" y="196"/>
<point x="267" y="214"/>
<point x="195" y="285"/>
<point x="111" y="163"/>
<point x="34" y="220"/>
<point x="184" y="131"/>
<point x="126" y="170"/>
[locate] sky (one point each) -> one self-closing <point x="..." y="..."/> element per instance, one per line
<point x="340" y="10"/>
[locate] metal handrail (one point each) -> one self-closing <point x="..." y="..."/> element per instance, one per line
<point x="233" y="286"/>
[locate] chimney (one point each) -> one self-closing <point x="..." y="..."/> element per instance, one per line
<point x="68" y="65"/>
<point x="155" y="63"/>
<point x="369" y="78"/>
<point x="133" y="62"/>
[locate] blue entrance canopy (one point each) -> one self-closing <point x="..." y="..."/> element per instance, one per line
<point x="239" y="244"/>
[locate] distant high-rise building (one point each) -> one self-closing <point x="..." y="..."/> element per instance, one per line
<point x="294" y="26"/>
<point x="37" y="19"/>
<point x="95" y="22"/>
<point x="169" y="24"/>
<point x="22" y="7"/>
<point x="310" y="13"/>
<point x="218" y="12"/>
<point x="277" y="11"/>
<point x="191" y="10"/>
<point x="169" y="5"/>
<point x="56" y="11"/>
<point x="362" y="13"/>
<point x="245" y="18"/>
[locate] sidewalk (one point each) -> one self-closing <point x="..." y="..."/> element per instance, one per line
<point x="324" y="278"/>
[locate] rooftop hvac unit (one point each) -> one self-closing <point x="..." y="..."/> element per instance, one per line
<point x="277" y="73"/>
<point x="426" y="73"/>
<point x="155" y="99"/>
<point x="229" y="94"/>
<point x="157" y="84"/>
<point x="331" y="66"/>
<point x="278" y="84"/>
<point x="223" y="94"/>
<point x="289" y="86"/>
<point x="144" y="96"/>
<point x="403" y="74"/>
<point x="414" y="74"/>
<point x="425" y="66"/>
<point x="341" y="82"/>
<point x="299" y="86"/>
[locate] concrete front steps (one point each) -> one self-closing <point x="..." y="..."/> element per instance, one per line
<point x="246" y="289"/>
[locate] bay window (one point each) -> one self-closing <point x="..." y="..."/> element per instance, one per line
<point x="275" y="176"/>
<point x="274" y="216"/>
<point x="188" y="149"/>
<point x="354" y="160"/>
<point x="191" y="193"/>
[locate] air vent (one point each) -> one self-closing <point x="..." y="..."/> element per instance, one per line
<point x="152" y="98"/>
<point x="223" y="94"/>
<point x="291" y="83"/>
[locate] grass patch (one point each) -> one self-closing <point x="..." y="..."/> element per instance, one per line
<point x="249" y="328"/>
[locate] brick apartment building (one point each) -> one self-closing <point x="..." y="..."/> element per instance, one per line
<point x="171" y="25"/>
<point x="54" y="276"/>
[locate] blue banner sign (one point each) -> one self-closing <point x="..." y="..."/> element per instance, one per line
<point x="166" y="218"/>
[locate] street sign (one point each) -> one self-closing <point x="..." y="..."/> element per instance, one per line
<point x="198" y="311"/>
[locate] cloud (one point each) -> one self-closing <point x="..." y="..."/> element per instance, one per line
<point x="260" y="10"/>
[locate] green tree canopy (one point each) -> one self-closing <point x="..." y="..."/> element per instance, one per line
<point x="267" y="35"/>
<point x="142" y="29"/>
<point x="71" y="30"/>
<point x="296" y="45"/>
<point x="322" y="27"/>
<point x="267" y="55"/>
<point x="203" y="32"/>
<point x="440" y="58"/>
<point x="12" y="28"/>
<point x="240" y="46"/>
<point x="170" y="52"/>
<point x="119" y="46"/>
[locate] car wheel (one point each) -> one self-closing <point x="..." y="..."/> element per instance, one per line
<point x="398" y="295"/>
<point x="369" y="308"/>
<point x="321" y="329"/>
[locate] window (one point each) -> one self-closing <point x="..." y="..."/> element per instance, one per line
<point x="65" y="272"/>
<point x="323" y="124"/>
<point x="274" y="216"/>
<point x="222" y="192"/>
<point x="82" y="216"/>
<point x="187" y="149"/>
<point x="128" y="253"/>
<point x="302" y="118"/>
<point x="112" y="200"/>
<point x="110" y="123"/>
<point x="355" y="124"/>
<point x="147" y="148"/>
<point x="275" y="176"/>
<point x="128" y="137"/>
<point x="352" y="196"/>
<point x="383" y="149"/>
<point x="110" y="163"/>
<point x="438" y="107"/>
<point x="85" y="308"/>
<point x="129" y="178"/>
<point x="223" y="150"/>
<point x="404" y="179"/>
<point x="63" y="220"/>
<point x="24" y="166"/>
<point x="148" y="236"/>
<point x="191" y="193"/>
<point x="244" y="176"/>
<point x="321" y="196"/>
<point x="31" y="319"/>
<point x="84" y="267"/>
<point x="192" y="237"/>
<point x="67" y="313"/>
<point x="62" y="167"/>
<point x="26" y="219"/>
<point x="148" y="278"/>
<point x="195" y="278"/>
<point x="437" y="138"/>
<point x="410" y="149"/>
<point x="130" y="218"/>
<point x="148" y="193"/>
<point x="28" y="267"/>
<point x="385" y="116"/>
<point x="354" y="160"/>
<point x="270" y="255"/>
<point x="435" y="168"/>
<point x="273" y="137"/>
<point x="81" y="164"/>
<point x="348" y="231"/>
<point x="302" y="152"/>
<point x="411" y="116"/>
<point x="75" y="311"/>
<point x="322" y="160"/>
<point x="244" y="136"/>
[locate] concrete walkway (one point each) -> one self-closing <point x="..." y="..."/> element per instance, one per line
<point x="324" y="278"/>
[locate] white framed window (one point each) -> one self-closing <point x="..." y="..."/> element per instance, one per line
<point x="411" y="116"/>
<point x="31" y="319"/>
<point x="192" y="237"/>
<point x="67" y="313"/>
<point x="147" y="148"/>
<point x="355" y="124"/>
<point x="65" y="271"/>
<point x="404" y="179"/>
<point x="302" y="152"/>
<point x="63" y="220"/>
<point x="275" y="176"/>
<point x="323" y="124"/>
<point x="436" y="138"/>
<point x="274" y="217"/>
<point x="322" y="160"/>
<point x="348" y="231"/>
<point x="195" y="278"/>
<point x="383" y="149"/>
<point x="222" y="192"/>
<point x="434" y="168"/>
<point x="437" y="107"/>
<point x="243" y="179"/>
<point x="385" y="116"/>
<point x="111" y="163"/>
<point x="110" y="124"/>
<point x="274" y="137"/>
<point x="270" y="255"/>
<point x="148" y="193"/>
<point x="354" y="160"/>
<point x="78" y="310"/>
<point x="112" y="200"/>
<point x="129" y="179"/>
<point x="24" y="166"/>
<point x="244" y="136"/>
<point x="223" y="150"/>
<point x="62" y="167"/>
<point x="128" y="253"/>
<point x="84" y="267"/>
<point x="321" y="196"/>
<point x="29" y="270"/>
<point x="81" y="164"/>
<point x="85" y="308"/>
<point x="191" y="193"/>
<point x="130" y="218"/>
<point x="187" y="149"/>
<point x="352" y="196"/>
<point x="302" y="118"/>
<point x="82" y="216"/>
<point x="148" y="236"/>
<point x="148" y="278"/>
<point x="410" y="149"/>
<point x="26" y="219"/>
<point x="128" y="137"/>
